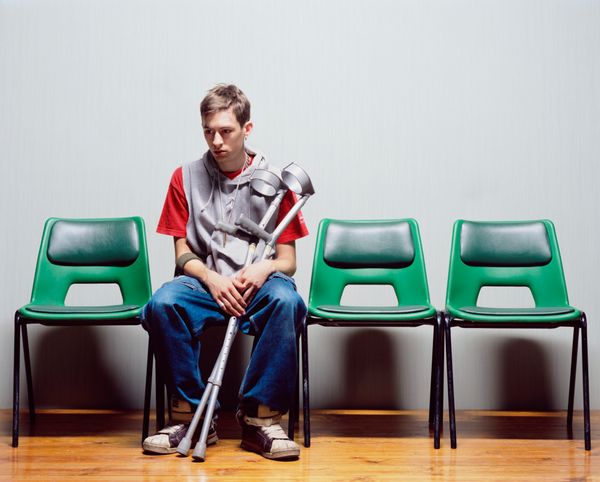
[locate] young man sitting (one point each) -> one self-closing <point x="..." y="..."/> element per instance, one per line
<point x="213" y="284"/>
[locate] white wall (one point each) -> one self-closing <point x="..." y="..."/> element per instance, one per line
<point x="429" y="109"/>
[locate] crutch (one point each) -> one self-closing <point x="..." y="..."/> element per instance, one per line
<point x="295" y="178"/>
<point x="265" y="183"/>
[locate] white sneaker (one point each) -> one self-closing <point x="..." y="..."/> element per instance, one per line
<point x="166" y="440"/>
<point x="265" y="436"/>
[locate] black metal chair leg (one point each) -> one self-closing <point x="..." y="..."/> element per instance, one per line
<point x="305" y="389"/>
<point x="439" y="380"/>
<point x="160" y="397"/>
<point x="434" y="364"/>
<point x="451" y="409"/>
<point x="147" y="392"/>
<point x="28" y="373"/>
<point x="293" y="412"/>
<point x="294" y="407"/>
<point x="572" y="378"/>
<point x="586" y="384"/>
<point x="16" y="378"/>
<point x="169" y="406"/>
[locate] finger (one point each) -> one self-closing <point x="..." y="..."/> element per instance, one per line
<point x="249" y="293"/>
<point x="236" y="306"/>
<point x="235" y="295"/>
<point x="230" y="309"/>
<point x="239" y="285"/>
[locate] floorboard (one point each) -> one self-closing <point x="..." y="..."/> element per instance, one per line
<point x="356" y="445"/>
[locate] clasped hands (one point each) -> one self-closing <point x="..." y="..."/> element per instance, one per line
<point x="233" y="294"/>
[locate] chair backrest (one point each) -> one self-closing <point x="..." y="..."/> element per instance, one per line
<point x="92" y="251"/>
<point x="385" y="252"/>
<point x="505" y="253"/>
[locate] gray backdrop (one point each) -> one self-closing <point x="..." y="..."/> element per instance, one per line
<point x="435" y="110"/>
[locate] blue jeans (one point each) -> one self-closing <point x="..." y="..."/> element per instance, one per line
<point x="179" y="311"/>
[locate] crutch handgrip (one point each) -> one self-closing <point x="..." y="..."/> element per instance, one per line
<point x="251" y="227"/>
<point x="226" y="228"/>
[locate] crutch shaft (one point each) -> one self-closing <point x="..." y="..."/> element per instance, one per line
<point x="216" y="377"/>
<point x="212" y="388"/>
<point x="186" y="442"/>
<point x="200" y="449"/>
<point x="291" y="214"/>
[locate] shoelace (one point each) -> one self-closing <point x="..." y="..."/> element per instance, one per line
<point x="275" y="432"/>
<point x="173" y="428"/>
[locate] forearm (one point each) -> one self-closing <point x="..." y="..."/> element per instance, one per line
<point x="284" y="265"/>
<point x="195" y="267"/>
<point x="284" y="260"/>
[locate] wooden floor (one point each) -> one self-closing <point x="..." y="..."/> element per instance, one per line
<point x="346" y="446"/>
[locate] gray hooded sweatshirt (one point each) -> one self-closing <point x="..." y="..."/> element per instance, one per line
<point x="213" y="197"/>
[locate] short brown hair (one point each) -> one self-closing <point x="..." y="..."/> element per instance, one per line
<point x="222" y="97"/>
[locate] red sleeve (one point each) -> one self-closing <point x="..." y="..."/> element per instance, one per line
<point x="297" y="228"/>
<point x="175" y="213"/>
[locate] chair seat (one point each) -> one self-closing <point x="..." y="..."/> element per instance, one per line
<point x="77" y="310"/>
<point x="543" y="314"/>
<point x="373" y="310"/>
<point x="58" y="314"/>
<point x="542" y="311"/>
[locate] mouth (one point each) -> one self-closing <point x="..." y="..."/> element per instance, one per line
<point x="219" y="152"/>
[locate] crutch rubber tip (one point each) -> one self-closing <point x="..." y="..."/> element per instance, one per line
<point x="184" y="446"/>
<point x="200" y="452"/>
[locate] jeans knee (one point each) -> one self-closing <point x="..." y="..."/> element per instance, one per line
<point x="289" y="305"/>
<point x="286" y="297"/>
<point x="157" y="308"/>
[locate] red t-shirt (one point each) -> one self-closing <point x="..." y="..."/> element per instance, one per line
<point x="175" y="214"/>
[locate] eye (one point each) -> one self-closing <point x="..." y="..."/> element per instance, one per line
<point x="207" y="131"/>
<point x="226" y="131"/>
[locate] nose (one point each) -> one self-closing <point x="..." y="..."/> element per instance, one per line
<point x="217" y="140"/>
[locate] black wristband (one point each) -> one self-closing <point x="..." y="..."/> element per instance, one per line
<point x="183" y="259"/>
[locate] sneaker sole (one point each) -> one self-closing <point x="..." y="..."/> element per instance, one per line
<point x="212" y="439"/>
<point x="283" y="455"/>
<point x="161" y="450"/>
<point x="158" y="449"/>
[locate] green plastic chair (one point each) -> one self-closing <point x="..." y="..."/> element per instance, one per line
<point x="74" y="251"/>
<point x="522" y="253"/>
<point x="381" y="252"/>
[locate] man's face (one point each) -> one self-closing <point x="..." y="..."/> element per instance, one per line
<point x="225" y="138"/>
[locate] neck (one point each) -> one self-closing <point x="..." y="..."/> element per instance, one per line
<point x="235" y="164"/>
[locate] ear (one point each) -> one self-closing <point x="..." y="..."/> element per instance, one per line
<point x="247" y="128"/>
